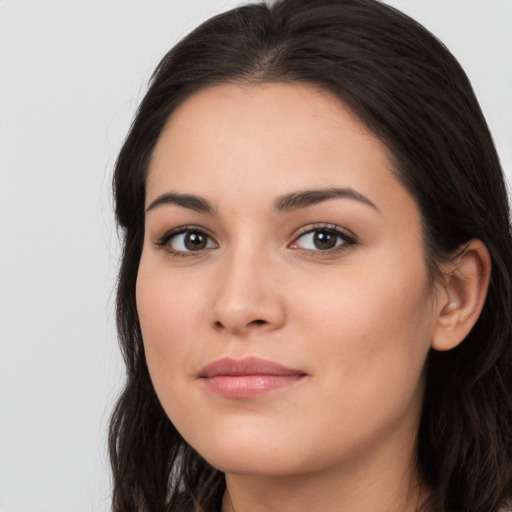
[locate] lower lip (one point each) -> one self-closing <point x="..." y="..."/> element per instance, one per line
<point x="248" y="386"/>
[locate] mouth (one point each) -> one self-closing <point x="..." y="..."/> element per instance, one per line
<point x="247" y="378"/>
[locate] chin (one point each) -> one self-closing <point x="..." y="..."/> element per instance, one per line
<point x="252" y="452"/>
<point x="255" y="462"/>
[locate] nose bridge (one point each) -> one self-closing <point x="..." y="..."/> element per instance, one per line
<point x="246" y="294"/>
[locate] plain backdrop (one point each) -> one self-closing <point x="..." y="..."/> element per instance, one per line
<point x="71" y="75"/>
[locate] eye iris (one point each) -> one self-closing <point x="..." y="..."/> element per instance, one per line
<point x="195" y="241"/>
<point x="325" y="240"/>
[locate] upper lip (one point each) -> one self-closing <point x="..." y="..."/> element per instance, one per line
<point x="227" y="366"/>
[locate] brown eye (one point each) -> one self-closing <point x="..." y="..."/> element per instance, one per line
<point x="195" y="241"/>
<point x="323" y="240"/>
<point x="187" y="241"/>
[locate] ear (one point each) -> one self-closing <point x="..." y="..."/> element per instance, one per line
<point x="461" y="295"/>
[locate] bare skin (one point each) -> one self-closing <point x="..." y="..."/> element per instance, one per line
<point x="276" y="229"/>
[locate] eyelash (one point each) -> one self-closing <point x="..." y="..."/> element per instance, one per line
<point x="344" y="240"/>
<point x="165" y="240"/>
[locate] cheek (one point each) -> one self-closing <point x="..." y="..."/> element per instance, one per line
<point x="372" y="340"/>
<point x="166" y="313"/>
<point x="375" y="327"/>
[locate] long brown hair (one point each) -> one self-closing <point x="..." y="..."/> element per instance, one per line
<point x="411" y="92"/>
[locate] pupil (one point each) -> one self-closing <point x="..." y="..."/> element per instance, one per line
<point x="325" y="240"/>
<point x="195" y="241"/>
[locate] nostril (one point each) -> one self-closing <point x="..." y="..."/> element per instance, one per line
<point x="220" y="325"/>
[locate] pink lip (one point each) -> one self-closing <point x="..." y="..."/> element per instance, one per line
<point x="247" y="378"/>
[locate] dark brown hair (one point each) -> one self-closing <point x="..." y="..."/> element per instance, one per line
<point x="411" y="92"/>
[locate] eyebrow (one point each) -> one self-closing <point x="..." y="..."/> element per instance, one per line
<point x="289" y="202"/>
<point x="189" y="201"/>
<point x="303" y="199"/>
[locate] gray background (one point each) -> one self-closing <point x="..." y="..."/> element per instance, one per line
<point x="71" y="75"/>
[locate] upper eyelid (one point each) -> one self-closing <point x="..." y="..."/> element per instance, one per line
<point x="303" y="230"/>
<point x="319" y="226"/>
<point x="348" y="238"/>
<point x="183" y="229"/>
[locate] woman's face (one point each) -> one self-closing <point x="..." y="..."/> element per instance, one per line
<point x="282" y="291"/>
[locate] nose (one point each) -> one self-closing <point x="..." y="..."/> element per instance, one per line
<point x="247" y="297"/>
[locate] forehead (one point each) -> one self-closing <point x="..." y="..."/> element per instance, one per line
<point x="263" y="138"/>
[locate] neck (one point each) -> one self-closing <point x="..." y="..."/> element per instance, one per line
<point x="307" y="493"/>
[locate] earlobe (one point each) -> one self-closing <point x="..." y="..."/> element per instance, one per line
<point x="461" y="295"/>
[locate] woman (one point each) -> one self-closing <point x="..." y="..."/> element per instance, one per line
<point x="314" y="297"/>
